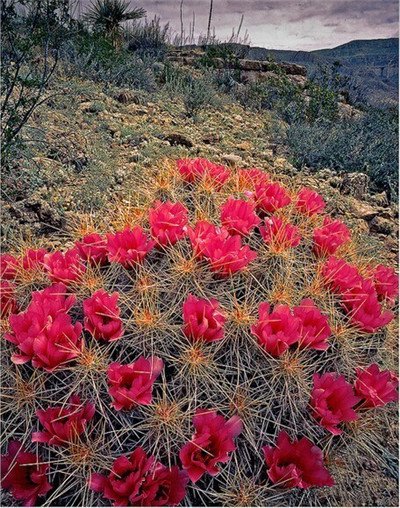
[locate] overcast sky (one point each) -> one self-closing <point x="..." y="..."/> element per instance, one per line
<point x="285" y="24"/>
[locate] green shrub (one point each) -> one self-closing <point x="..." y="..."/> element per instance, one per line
<point x="368" y="144"/>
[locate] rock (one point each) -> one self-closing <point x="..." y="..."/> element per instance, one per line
<point x="392" y="244"/>
<point x="335" y="182"/>
<point x="245" y="146"/>
<point x="211" y="139"/>
<point x="379" y="199"/>
<point x="35" y="210"/>
<point x="232" y="159"/>
<point x="177" y="138"/>
<point x="364" y="211"/>
<point x="381" y="225"/>
<point x="355" y="184"/>
<point x="126" y="97"/>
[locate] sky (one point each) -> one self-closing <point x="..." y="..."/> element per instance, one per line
<point x="285" y="24"/>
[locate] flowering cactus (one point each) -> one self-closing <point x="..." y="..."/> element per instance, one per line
<point x="114" y="348"/>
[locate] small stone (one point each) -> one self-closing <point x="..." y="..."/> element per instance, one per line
<point x="177" y="138"/>
<point x="211" y="139"/>
<point x="232" y="159"/>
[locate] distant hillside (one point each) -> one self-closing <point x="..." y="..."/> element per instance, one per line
<point x="374" y="62"/>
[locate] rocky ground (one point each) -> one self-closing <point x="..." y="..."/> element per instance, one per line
<point x="90" y="144"/>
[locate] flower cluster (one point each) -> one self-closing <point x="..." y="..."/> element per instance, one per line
<point x="44" y="332"/>
<point x="138" y="481"/>
<point x="334" y="400"/>
<point x="276" y="331"/>
<point x="359" y="296"/>
<point x="204" y="377"/>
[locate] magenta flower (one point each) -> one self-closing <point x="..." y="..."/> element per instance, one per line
<point x="203" y="320"/>
<point x="269" y="197"/>
<point x="332" y="401"/>
<point x="376" y="387"/>
<point x="329" y="237"/>
<point x="314" y="327"/>
<point x="296" y="463"/>
<point x="386" y="284"/>
<point x="210" y="444"/>
<point x="309" y="202"/>
<point x="279" y="235"/>
<point x="44" y="332"/>
<point x="226" y="254"/>
<point x="276" y="331"/>
<point x="65" y="268"/>
<point x="102" y="316"/>
<point x="238" y="216"/>
<point x="23" y="474"/>
<point x="364" y="309"/>
<point x="132" y="384"/>
<point x="63" y="424"/>
<point x="93" y="249"/>
<point x="128" y="247"/>
<point x="137" y="481"/>
<point x="167" y="222"/>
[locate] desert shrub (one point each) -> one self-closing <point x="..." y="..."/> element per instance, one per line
<point x="150" y="38"/>
<point x="368" y="144"/>
<point x="91" y="56"/>
<point x="31" y="38"/>
<point x="197" y="94"/>
<point x="196" y="329"/>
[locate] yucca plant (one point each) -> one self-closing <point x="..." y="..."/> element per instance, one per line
<point x="107" y="16"/>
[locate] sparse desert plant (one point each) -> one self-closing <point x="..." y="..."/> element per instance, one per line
<point x="218" y="340"/>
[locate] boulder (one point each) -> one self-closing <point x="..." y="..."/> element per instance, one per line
<point x="355" y="184"/>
